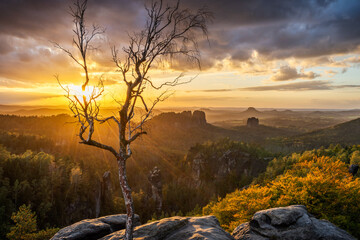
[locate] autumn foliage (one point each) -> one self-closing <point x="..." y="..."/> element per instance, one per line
<point x="321" y="183"/>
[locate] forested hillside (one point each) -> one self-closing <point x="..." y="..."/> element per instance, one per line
<point x="318" y="179"/>
<point x="182" y="159"/>
<point x="345" y="134"/>
<point x="73" y="182"/>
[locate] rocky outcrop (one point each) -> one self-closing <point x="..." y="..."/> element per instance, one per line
<point x="239" y="161"/>
<point x="91" y="229"/>
<point x="154" y="178"/>
<point x="292" y="222"/>
<point x="215" y="168"/>
<point x="286" y="223"/>
<point x="198" y="117"/>
<point x="177" y="228"/>
<point x="184" y="119"/>
<point x="198" y="165"/>
<point x="353" y="169"/>
<point x="103" y="196"/>
<point x="252" y="122"/>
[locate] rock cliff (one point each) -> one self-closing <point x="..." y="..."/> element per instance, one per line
<point x="155" y="180"/>
<point x="217" y="167"/>
<point x="292" y="222"/>
<point x="184" y="119"/>
<point x="252" y="122"/>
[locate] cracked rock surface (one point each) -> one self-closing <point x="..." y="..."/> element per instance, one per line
<point x="91" y="229"/>
<point x="288" y="223"/>
<point x="285" y="223"/>
<point x="177" y="228"/>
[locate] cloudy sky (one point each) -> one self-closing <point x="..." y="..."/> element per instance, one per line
<point x="280" y="53"/>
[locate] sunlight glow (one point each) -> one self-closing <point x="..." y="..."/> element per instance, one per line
<point x="89" y="92"/>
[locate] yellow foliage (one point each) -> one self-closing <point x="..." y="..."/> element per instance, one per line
<point x="355" y="157"/>
<point x="322" y="184"/>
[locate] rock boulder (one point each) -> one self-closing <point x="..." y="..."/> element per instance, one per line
<point x="292" y="222"/>
<point x="177" y="228"/>
<point x="91" y="229"/>
<point x="353" y="169"/>
<point x="252" y="122"/>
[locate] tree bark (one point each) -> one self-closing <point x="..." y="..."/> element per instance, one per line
<point x="126" y="191"/>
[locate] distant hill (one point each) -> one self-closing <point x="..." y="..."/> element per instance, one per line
<point x="39" y="112"/>
<point x="300" y="121"/>
<point x="347" y="133"/>
<point x="251" y="110"/>
<point x="183" y="130"/>
<point x="260" y="133"/>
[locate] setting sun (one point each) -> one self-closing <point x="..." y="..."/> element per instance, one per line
<point x="89" y="92"/>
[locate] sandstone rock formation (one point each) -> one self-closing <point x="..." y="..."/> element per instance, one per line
<point x="103" y="193"/>
<point x="177" y="228"/>
<point x="154" y="178"/>
<point x="91" y="229"/>
<point x="353" y="169"/>
<point x="292" y="222"/>
<point x="214" y="169"/>
<point x="198" y="117"/>
<point x="184" y="119"/>
<point x="252" y="122"/>
<point x="285" y="223"/>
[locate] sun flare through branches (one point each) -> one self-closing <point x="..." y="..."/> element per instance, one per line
<point x="88" y="93"/>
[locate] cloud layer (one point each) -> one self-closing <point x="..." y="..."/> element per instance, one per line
<point x="276" y="30"/>
<point x="294" y="86"/>
<point x="289" y="73"/>
<point x="282" y="40"/>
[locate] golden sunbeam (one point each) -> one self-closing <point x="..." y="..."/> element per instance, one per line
<point x="88" y="93"/>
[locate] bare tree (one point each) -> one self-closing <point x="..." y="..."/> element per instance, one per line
<point x="170" y="32"/>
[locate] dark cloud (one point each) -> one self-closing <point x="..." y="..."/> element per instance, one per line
<point x="298" y="86"/>
<point x="195" y="99"/>
<point x="288" y="73"/>
<point x="50" y="19"/>
<point x="282" y="29"/>
<point x="244" y="12"/>
<point x="276" y="29"/>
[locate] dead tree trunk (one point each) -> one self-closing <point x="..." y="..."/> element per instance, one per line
<point x="126" y="191"/>
<point x="169" y="32"/>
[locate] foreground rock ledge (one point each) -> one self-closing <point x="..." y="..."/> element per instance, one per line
<point x="285" y="223"/>
<point x="93" y="229"/>
<point x="177" y="228"/>
<point x="292" y="222"/>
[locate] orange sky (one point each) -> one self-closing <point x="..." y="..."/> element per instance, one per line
<point x="276" y="55"/>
